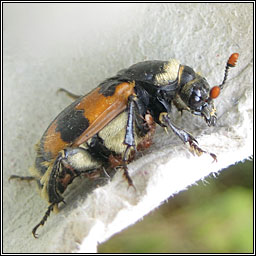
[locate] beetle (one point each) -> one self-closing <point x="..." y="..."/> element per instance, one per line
<point x="105" y="128"/>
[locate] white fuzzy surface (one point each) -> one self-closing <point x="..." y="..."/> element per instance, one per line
<point x="75" y="46"/>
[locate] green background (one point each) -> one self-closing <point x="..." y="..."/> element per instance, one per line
<point x="214" y="217"/>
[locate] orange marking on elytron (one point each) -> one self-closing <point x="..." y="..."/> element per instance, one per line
<point x="53" y="142"/>
<point x="100" y="109"/>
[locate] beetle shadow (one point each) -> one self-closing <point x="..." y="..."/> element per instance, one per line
<point x="83" y="186"/>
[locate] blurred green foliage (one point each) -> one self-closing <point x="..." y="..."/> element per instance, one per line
<point x="214" y="217"/>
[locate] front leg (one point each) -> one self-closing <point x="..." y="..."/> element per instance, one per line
<point x="164" y="119"/>
<point x="136" y="116"/>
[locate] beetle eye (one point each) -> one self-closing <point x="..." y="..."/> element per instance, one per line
<point x="197" y="98"/>
<point x="194" y="99"/>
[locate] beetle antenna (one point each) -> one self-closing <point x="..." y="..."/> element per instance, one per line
<point x="215" y="91"/>
<point x="230" y="64"/>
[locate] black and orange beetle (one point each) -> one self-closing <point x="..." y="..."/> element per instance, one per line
<point x="105" y="128"/>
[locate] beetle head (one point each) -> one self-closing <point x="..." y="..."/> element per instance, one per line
<point x="195" y="95"/>
<point x="195" y="92"/>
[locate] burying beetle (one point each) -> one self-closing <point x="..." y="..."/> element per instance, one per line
<point x="104" y="128"/>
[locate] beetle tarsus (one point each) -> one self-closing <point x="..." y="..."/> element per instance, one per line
<point x="41" y="223"/>
<point x="196" y="149"/>
<point x="214" y="157"/>
<point x="22" y="178"/>
<point x="125" y="168"/>
<point x="127" y="177"/>
<point x="184" y="136"/>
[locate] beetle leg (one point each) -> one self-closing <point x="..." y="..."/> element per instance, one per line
<point x="41" y="223"/>
<point x="107" y="158"/>
<point x="136" y="116"/>
<point x="69" y="94"/>
<point x="133" y="106"/>
<point x="129" y="139"/>
<point x="125" y="168"/>
<point x="136" y="113"/>
<point x="184" y="136"/>
<point x="69" y="164"/>
<point x="129" y="133"/>
<point x="22" y="178"/>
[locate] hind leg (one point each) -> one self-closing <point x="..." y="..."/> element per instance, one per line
<point x="69" y="94"/>
<point x="23" y="178"/>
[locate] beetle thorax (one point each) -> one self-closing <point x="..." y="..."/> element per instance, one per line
<point x="170" y="72"/>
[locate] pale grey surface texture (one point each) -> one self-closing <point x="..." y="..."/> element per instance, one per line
<point x="75" y="46"/>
